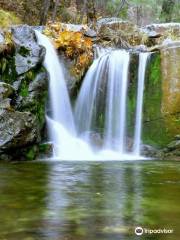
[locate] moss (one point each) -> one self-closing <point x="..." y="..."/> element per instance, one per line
<point x="7" y="69"/>
<point x="132" y="94"/>
<point x="153" y="89"/>
<point x="45" y="148"/>
<point x="36" y="104"/>
<point x="154" y="129"/>
<point x="25" y="80"/>
<point x="38" y="108"/>
<point x="23" y="51"/>
<point x="31" y="154"/>
<point x="24" y="89"/>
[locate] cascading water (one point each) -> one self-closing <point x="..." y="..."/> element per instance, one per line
<point x="100" y="110"/>
<point x="143" y="57"/>
<point x="115" y="117"/>
<point x="109" y="74"/>
<point x="61" y="112"/>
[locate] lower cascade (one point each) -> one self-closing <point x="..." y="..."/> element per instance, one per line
<point x="96" y="129"/>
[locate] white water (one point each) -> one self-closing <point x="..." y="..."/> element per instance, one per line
<point x="143" y="57"/>
<point x="104" y="89"/>
<point x="59" y="98"/>
<point x="115" y="117"/>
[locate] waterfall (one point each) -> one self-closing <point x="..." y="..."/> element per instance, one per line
<point x="97" y="128"/>
<point x="115" y="117"/>
<point x="61" y="112"/>
<point x="143" y="57"/>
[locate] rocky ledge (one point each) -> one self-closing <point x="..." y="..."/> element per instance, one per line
<point x="23" y="94"/>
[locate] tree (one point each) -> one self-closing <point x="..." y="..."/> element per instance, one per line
<point x="44" y="11"/>
<point x="167" y="10"/>
<point x="91" y="12"/>
<point x="56" y="4"/>
<point x="121" y="6"/>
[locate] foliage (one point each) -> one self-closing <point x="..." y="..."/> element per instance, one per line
<point x="7" y="19"/>
<point x="138" y="11"/>
<point x="74" y="45"/>
<point x="171" y="33"/>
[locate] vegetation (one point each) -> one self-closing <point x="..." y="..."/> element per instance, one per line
<point x="76" y="11"/>
<point x="8" y="18"/>
<point x="74" y="45"/>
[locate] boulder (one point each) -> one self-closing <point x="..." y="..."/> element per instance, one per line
<point x="17" y="129"/>
<point x="159" y="29"/>
<point x="28" y="52"/>
<point x="149" y="151"/>
<point x="119" y="33"/>
<point x="23" y="95"/>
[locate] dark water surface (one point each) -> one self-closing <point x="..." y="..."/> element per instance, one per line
<point x="89" y="201"/>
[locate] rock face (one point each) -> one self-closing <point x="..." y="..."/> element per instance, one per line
<point x="28" y="52"/>
<point x="23" y="95"/>
<point x="119" y="33"/>
<point x="17" y="129"/>
<point x="161" y="105"/>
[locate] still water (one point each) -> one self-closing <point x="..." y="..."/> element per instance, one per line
<point x="89" y="201"/>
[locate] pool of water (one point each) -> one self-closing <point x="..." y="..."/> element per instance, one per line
<point x="89" y="200"/>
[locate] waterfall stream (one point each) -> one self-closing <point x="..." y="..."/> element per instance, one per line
<point x="97" y="129"/>
<point x="143" y="57"/>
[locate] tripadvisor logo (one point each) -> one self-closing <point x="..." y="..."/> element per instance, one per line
<point x="139" y="231"/>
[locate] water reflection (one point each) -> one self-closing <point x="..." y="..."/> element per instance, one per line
<point x="79" y="201"/>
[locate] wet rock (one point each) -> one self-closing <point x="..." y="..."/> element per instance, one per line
<point x="174" y="145"/>
<point x="149" y="151"/>
<point x="17" y="129"/>
<point x="45" y="150"/>
<point x="28" y="52"/>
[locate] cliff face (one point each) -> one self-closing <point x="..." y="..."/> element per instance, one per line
<point x="23" y="93"/>
<point x="170" y="59"/>
<point x="162" y="98"/>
